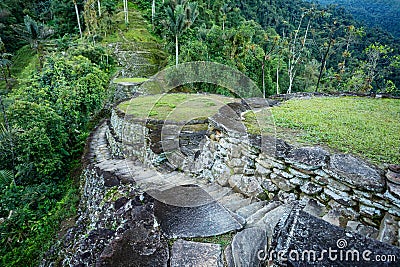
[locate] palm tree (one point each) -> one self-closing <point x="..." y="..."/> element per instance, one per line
<point x="224" y="10"/>
<point x="180" y="16"/>
<point x="35" y="33"/>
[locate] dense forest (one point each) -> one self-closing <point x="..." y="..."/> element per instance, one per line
<point x="55" y="69"/>
<point x="374" y="13"/>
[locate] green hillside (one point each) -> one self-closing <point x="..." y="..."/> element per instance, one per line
<point x="374" y="13"/>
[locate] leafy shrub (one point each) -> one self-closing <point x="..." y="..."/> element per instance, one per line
<point x="39" y="144"/>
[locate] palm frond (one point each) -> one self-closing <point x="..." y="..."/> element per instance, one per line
<point x="6" y="178"/>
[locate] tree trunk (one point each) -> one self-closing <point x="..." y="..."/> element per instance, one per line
<point x="323" y="64"/>
<point x="176" y="50"/>
<point x="77" y="17"/>
<point x="99" y="7"/>
<point x="277" y="79"/>
<point x="126" y="11"/>
<point x="263" y="77"/>
<point x="153" y="11"/>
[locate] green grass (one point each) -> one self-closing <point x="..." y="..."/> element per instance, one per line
<point x="24" y="62"/>
<point x="130" y="80"/>
<point x="135" y="31"/>
<point x="174" y="107"/>
<point x="363" y="126"/>
<point x="223" y="240"/>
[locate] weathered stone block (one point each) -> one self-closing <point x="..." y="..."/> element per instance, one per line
<point x="341" y="197"/>
<point x="298" y="173"/>
<point x="261" y="170"/>
<point x="364" y="230"/>
<point x="287" y="197"/>
<point x="270" y="163"/>
<point x="313" y="206"/>
<point x="136" y="247"/>
<point x="321" y="173"/>
<point x="283" y="173"/>
<point x="268" y="185"/>
<point x="301" y="234"/>
<point x="356" y="172"/>
<point x="320" y="180"/>
<point x="246" y="245"/>
<point x="247" y="185"/>
<point x="297" y="181"/>
<point x="282" y="183"/>
<point x="389" y="230"/>
<point x="347" y="212"/>
<point x="188" y="253"/>
<point x="308" y="158"/>
<point x="310" y="188"/>
<point x="393" y="177"/>
<point x="395" y="190"/>
<point x="370" y="211"/>
<point x="221" y="173"/>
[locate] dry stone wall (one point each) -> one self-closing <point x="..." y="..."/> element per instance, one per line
<point x="346" y="190"/>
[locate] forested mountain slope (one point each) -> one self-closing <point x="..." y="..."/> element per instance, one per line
<point x="382" y="13"/>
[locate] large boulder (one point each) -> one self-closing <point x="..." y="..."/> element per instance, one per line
<point x="136" y="247"/>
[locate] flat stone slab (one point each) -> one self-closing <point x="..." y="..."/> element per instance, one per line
<point x="308" y="157"/>
<point x="246" y="245"/>
<point x="356" y="172"/>
<point x="188" y="253"/>
<point x="309" y="241"/>
<point x="192" y="214"/>
<point x="228" y="120"/>
<point x="258" y="102"/>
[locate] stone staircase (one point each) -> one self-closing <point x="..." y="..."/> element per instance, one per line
<point x="218" y="204"/>
<point x="148" y="179"/>
<point x="187" y="207"/>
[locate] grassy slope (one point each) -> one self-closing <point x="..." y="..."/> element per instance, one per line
<point x="363" y="126"/>
<point x="136" y="36"/>
<point x="24" y="62"/>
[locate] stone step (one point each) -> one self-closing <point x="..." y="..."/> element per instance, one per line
<point x="253" y="219"/>
<point x="220" y="193"/>
<point x="210" y="187"/>
<point x="234" y="201"/>
<point x="188" y="211"/>
<point x="246" y="246"/>
<point x="271" y="219"/>
<point x="159" y="182"/>
<point x="188" y="253"/>
<point x="248" y="210"/>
